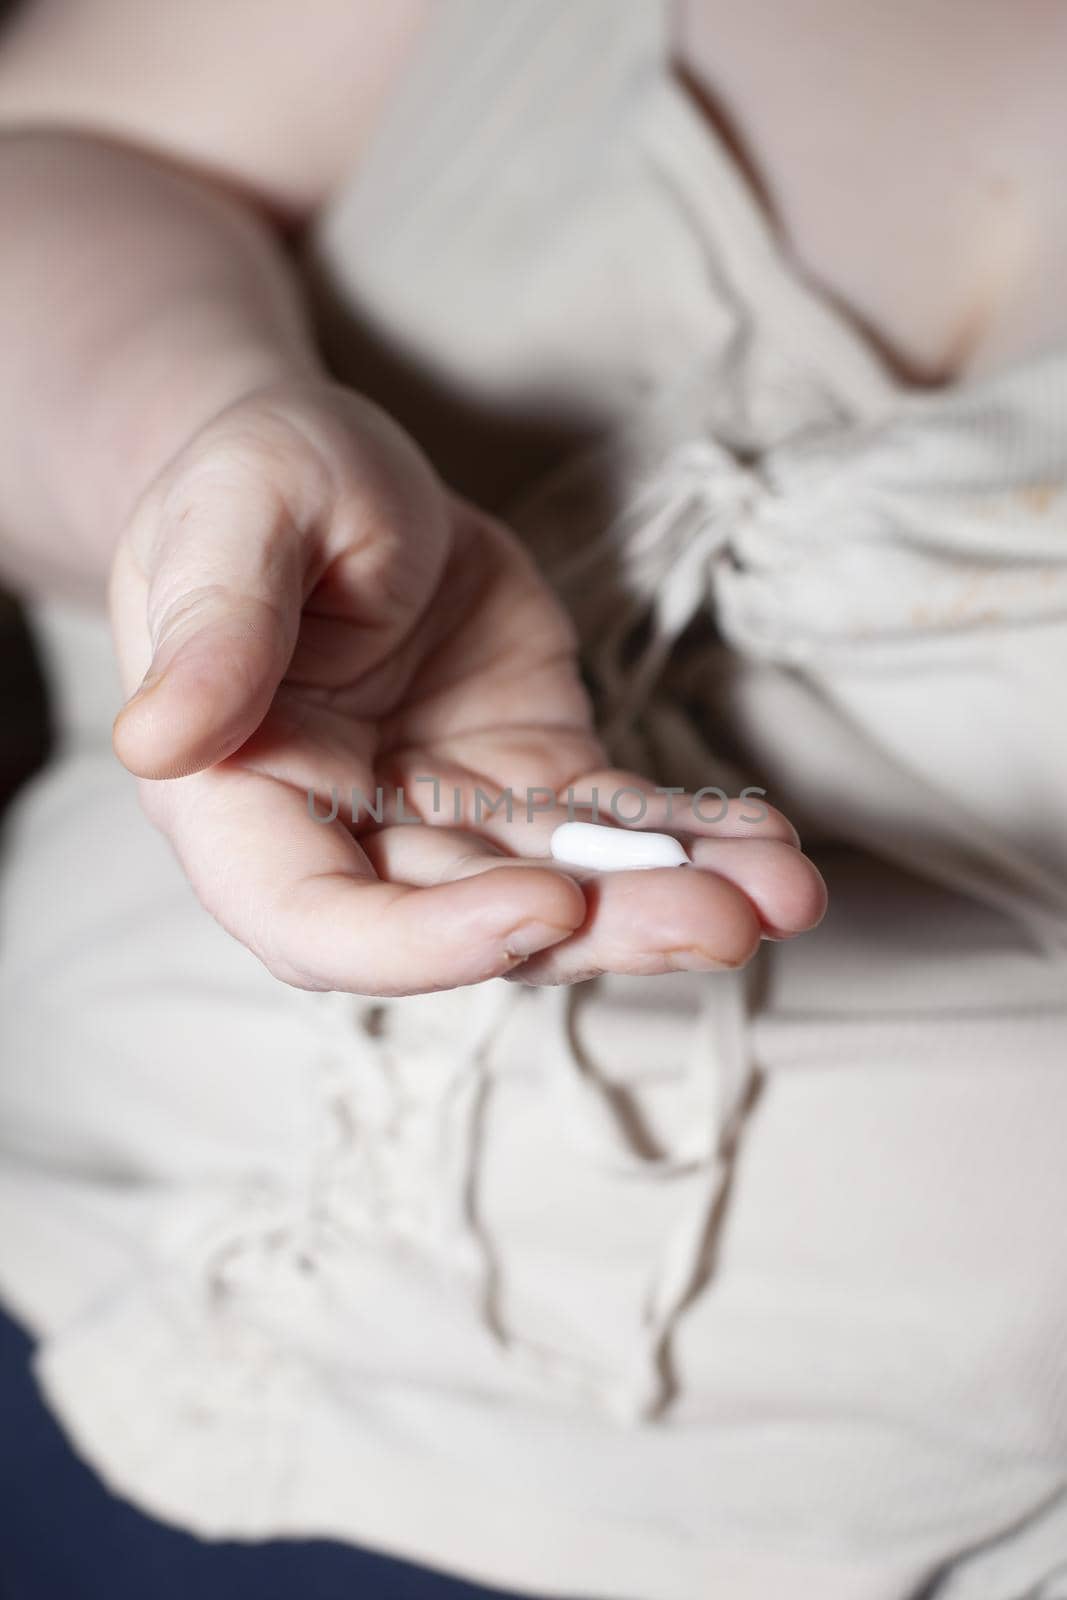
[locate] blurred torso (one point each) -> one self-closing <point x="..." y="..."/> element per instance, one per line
<point x="911" y="154"/>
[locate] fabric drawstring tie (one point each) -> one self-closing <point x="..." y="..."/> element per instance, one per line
<point x="662" y="546"/>
<point x="666" y="538"/>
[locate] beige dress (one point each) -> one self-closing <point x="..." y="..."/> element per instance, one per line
<point x="744" y="1285"/>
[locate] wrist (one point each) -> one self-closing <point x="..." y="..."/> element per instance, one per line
<point x="162" y="301"/>
<point x="150" y="403"/>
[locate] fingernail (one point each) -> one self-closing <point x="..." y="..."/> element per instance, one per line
<point x="147" y="683"/>
<point x="529" y="937"/>
<point x="698" y="961"/>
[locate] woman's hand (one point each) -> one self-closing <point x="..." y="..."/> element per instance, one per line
<point x="307" y="609"/>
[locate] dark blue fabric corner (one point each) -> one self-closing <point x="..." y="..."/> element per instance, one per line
<point x="63" y="1536"/>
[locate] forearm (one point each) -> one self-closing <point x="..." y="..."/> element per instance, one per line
<point x="136" y="301"/>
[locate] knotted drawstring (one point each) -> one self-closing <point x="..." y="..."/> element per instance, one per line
<point x="660" y="550"/>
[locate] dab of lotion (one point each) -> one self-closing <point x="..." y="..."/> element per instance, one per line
<point x="585" y="844"/>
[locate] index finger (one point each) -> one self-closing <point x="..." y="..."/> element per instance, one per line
<point x="303" y="896"/>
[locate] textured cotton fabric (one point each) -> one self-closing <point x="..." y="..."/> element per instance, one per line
<point x="734" y="1285"/>
<point x="62" y="1533"/>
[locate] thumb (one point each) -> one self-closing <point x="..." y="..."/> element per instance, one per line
<point x="210" y="632"/>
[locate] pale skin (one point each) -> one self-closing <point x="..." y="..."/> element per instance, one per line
<point x="296" y="598"/>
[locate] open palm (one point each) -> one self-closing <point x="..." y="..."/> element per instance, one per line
<point x="321" y="617"/>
